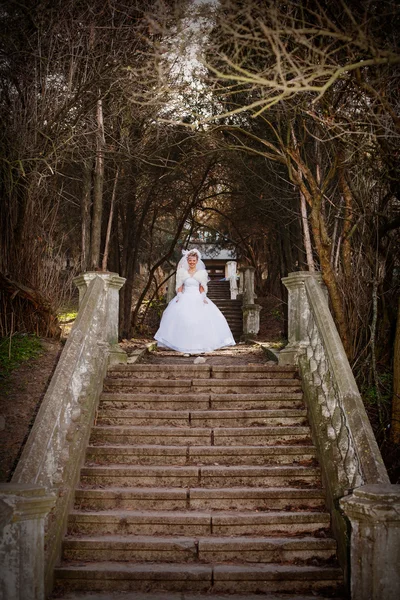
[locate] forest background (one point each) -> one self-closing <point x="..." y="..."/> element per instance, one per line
<point x="130" y="127"/>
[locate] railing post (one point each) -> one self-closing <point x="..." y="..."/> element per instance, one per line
<point x="113" y="284"/>
<point x="374" y="514"/>
<point x="241" y="283"/>
<point x="251" y="311"/>
<point x="230" y="274"/>
<point x="23" y="509"/>
<point x="298" y="315"/>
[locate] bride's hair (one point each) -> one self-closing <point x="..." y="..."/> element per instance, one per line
<point x="183" y="263"/>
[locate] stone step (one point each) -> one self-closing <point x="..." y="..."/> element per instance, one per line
<point x="198" y="523"/>
<point x="201" y="476"/>
<point x="200" y="455"/>
<point x="201" y="386"/>
<point x="253" y="371"/>
<point x="115" y="595"/>
<point x="238" y="498"/>
<point x="243" y="386"/>
<point x="251" y="401"/>
<point x="280" y="400"/>
<point x="126" y="576"/>
<point x="151" y="371"/>
<point x="207" y="418"/>
<point x="198" y="436"/>
<point x="155" y="401"/>
<point x="202" y="549"/>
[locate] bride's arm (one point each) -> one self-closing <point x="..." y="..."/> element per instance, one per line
<point x="203" y="294"/>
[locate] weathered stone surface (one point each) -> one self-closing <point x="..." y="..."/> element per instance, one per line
<point x="146" y="435"/>
<point x="154" y="401"/>
<point x="273" y="578"/>
<point x="260" y="499"/>
<point x="57" y="443"/>
<point x="374" y="513"/>
<point x="251" y="320"/>
<point x="23" y="509"/>
<point x="131" y="498"/>
<point x="346" y="446"/>
<point x="127" y="576"/>
<point x="195" y="484"/>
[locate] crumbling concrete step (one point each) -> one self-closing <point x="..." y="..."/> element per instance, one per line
<point x="197" y="436"/>
<point x="205" y="476"/>
<point x="202" y="549"/>
<point x="201" y="386"/>
<point x="243" y="386"/>
<point x="155" y="401"/>
<point x="201" y="523"/>
<point x="242" y="418"/>
<point x="237" y="498"/>
<point x="200" y="455"/>
<point x="207" y="578"/>
<point x="182" y="596"/>
<point x="209" y="418"/>
<point x="142" y="435"/>
<point x="144" y="371"/>
<point x="168" y="386"/>
<point x="253" y="371"/>
<point x="251" y="401"/>
<point x="261" y="436"/>
<point x="259" y="499"/>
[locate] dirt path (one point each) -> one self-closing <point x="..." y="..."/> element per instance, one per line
<point x="20" y="398"/>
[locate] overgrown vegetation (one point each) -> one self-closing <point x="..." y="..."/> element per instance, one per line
<point x="16" y="350"/>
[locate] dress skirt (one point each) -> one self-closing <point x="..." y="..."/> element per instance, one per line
<point x="190" y="325"/>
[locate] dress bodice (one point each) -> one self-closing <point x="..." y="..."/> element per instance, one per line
<point x="191" y="285"/>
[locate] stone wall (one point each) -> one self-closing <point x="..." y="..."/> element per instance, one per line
<point x="55" y="450"/>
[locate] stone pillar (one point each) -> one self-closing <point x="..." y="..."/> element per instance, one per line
<point x="251" y="320"/>
<point x="241" y="283"/>
<point x="230" y="274"/>
<point x="298" y="315"/>
<point x="374" y="514"/>
<point x="248" y="285"/>
<point x="23" y="509"/>
<point x="251" y="311"/>
<point x="171" y="283"/>
<point x="113" y="284"/>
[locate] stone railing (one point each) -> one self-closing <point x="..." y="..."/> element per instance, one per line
<point x="49" y="468"/>
<point x="354" y="476"/>
<point x="251" y="311"/>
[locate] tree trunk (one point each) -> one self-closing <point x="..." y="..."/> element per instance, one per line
<point x="110" y="221"/>
<point x="306" y="233"/>
<point x="98" y="190"/>
<point x="347" y="223"/>
<point x="85" y="212"/>
<point x="395" y="423"/>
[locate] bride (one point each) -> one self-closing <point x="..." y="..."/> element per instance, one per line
<point x="192" y="323"/>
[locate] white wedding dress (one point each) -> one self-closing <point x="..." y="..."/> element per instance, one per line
<point x="192" y="326"/>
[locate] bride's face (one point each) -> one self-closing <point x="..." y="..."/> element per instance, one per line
<point x="192" y="261"/>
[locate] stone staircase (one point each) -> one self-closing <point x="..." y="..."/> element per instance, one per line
<point x="219" y="293"/>
<point x="200" y="479"/>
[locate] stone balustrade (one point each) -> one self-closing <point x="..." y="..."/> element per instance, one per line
<point x="347" y="450"/>
<point x="48" y="470"/>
